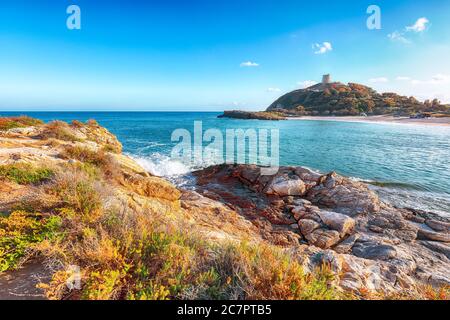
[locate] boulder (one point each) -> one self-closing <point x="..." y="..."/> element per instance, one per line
<point x="285" y="187"/>
<point x="344" y="196"/>
<point x="337" y="221"/>
<point x="323" y="238"/>
<point x="307" y="226"/>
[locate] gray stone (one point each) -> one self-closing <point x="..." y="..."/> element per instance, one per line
<point x="374" y="251"/>
<point x="346" y="245"/>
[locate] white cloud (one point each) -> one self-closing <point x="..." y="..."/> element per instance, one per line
<point x="306" y="83"/>
<point x="249" y="64"/>
<point x="273" y="90"/>
<point x="322" y="48"/>
<point x="400" y="78"/>
<point x="419" y="26"/>
<point x="379" y="80"/>
<point x="399" y="37"/>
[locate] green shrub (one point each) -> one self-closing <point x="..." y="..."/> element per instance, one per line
<point x="19" y="232"/>
<point x="25" y="174"/>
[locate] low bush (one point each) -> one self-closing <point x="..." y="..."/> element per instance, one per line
<point x="7" y="123"/>
<point x="25" y="174"/>
<point x="19" y="232"/>
<point x="99" y="159"/>
<point x="59" y="130"/>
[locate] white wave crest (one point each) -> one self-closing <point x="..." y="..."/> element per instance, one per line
<point x="162" y="166"/>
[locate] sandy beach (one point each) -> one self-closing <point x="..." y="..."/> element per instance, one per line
<point x="380" y="119"/>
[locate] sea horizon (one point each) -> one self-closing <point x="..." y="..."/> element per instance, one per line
<point x="412" y="178"/>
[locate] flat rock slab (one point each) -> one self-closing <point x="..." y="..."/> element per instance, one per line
<point x="425" y="234"/>
<point x="443" y="248"/>
<point x="373" y="251"/>
<point x="21" y="284"/>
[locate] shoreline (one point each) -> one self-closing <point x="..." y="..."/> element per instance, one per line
<point x="383" y="119"/>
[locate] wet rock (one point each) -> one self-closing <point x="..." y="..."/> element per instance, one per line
<point x="373" y="251"/>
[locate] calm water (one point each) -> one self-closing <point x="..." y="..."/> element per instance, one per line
<point x="411" y="162"/>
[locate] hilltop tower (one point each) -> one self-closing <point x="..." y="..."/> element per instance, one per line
<point x="326" y="79"/>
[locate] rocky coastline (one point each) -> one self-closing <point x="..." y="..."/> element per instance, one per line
<point x="106" y="212"/>
<point x="339" y="221"/>
<point x="248" y="115"/>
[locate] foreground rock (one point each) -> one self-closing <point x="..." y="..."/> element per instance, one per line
<point x="373" y="245"/>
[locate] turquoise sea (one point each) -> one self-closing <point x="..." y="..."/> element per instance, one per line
<point x="408" y="165"/>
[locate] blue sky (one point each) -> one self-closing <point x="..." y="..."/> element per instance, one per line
<point x="213" y="54"/>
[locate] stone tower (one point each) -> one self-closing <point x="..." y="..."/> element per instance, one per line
<point x="326" y="79"/>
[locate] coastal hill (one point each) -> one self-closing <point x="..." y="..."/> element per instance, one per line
<point x="69" y="197"/>
<point x="337" y="99"/>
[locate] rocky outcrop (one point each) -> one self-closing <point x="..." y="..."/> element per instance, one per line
<point x="331" y="218"/>
<point x="350" y="99"/>
<point x="317" y="218"/>
<point x="247" y="115"/>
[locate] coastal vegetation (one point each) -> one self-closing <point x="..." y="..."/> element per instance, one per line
<point x="351" y="100"/>
<point x="135" y="236"/>
<point x="140" y="255"/>
<point x="25" y="174"/>
<point x="338" y="99"/>
<point x="7" y="123"/>
<point x="262" y="115"/>
<point x="82" y="213"/>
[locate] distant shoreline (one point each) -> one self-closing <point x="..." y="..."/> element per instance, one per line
<point x="387" y="119"/>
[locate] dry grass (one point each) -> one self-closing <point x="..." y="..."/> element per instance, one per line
<point x="99" y="159"/>
<point x="7" y="123"/>
<point x="126" y="253"/>
<point x="130" y="252"/>
<point x="59" y="130"/>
